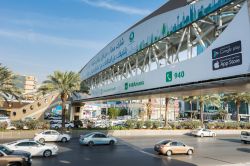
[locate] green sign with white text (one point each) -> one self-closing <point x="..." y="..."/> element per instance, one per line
<point x="133" y="84"/>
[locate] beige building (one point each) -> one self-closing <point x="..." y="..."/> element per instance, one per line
<point x="26" y="83"/>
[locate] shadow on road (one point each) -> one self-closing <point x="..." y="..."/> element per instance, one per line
<point x="247" y="150"/>
<point x="230" y="140"/>
<point x="169" y="160"/>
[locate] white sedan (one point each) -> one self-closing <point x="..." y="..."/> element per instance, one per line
<point x="203" y="133"/>
<point x="51" y="135"/>
<point x="34" y="147"/>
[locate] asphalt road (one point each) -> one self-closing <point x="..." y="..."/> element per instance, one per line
<point x="222" y="150"/>
<point x="138" y="151"/>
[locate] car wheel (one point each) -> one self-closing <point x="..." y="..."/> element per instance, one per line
<point x="245" y="142"/>
<point x="190" y="152"/>
<point x="91" y="143"/>
<point x="169" y="153"/>
<point x="202" y="135"/>
<point x="64" y="139"/>
<point x="42" y="140"/>
<point x="47" y="153"/>
<point x="213" y="134"/>
<point x="112" y="142"/>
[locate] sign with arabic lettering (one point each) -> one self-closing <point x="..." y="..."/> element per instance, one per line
<point x="147" y="33"/>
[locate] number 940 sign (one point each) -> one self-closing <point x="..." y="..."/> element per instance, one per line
<point x="176" y="75"/>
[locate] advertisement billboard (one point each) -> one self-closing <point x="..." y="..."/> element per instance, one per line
<point x="227" y="56"/>
<point x="147" y="33"/>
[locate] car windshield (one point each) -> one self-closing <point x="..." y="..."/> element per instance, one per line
<point x="5" y="150"/>
<point x="40" y="143"/>
<point x="164" y="142"/>
<point x="87" y="135"/>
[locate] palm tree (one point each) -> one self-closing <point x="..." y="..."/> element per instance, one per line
<point x="7" y="85"/>
<point x="237" y="98"/>
<point x="167" y="100"/>
<point x="66" y="83"/>
<point x="206" y="99"/>
<point x="149" y="109"/>
<point x="222" y="114"/>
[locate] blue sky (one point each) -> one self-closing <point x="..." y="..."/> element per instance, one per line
<point x="38" y="37"/>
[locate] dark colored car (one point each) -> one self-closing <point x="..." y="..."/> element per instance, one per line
<point x="15" y="156"/>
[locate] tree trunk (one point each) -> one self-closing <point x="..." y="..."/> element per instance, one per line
<point x="238" y="111"/>
<point x="64" y="98"/>
<point x="201" y="112"/>
<point x="166" y="111"/>
<point x="149" y="109"/>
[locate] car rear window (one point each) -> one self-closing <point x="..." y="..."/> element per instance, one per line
<point x="164" y="142"/>
<point x="10" y="143"/>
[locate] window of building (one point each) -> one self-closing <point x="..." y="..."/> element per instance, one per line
<point x="77" y="109"/>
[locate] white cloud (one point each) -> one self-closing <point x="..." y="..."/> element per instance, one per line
<point x="54" y="40"/>
<point x="119" y="8"/>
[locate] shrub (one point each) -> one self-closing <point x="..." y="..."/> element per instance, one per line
<point x="139" y="124"/>
<point x="43" y="125"/>
<point x="18" y="124"/>
<point x="174" y="125"/>
<point x="3" y="125"/>
<point x="245" y="125"/>
<point x="117" y="128"/>
<point x="32" y="124"/>
<point x="131" y="124"/>
<point x="156" y="124"/>
<point x="148" y="124"/>
<point x="232" y="125"/>
<point x="190" y="124"/>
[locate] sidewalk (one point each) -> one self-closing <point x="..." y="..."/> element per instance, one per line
<point x="21" y="134"/>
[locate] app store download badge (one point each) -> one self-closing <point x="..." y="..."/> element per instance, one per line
<point x="169" y="76"/>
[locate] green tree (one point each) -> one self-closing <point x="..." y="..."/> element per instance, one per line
<point x="66" y="83"/>
<point x="222" y="114"/>
<point x="237" y="98"/>
<point x="7" y="86"/>
<point x="113" y="112"/>
<point x="213" y="99"/>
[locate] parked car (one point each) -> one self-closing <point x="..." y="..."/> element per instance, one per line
<point x="59" y="125"/>
<point x="203" y="133"/>
<point x="96" y="138"/>
<point x="5" y="119"/>
<point x="245" y="136"/>
<point x="11" y="127"/>
<point x="55" y="118"/>
<point x="26" y="156"/>
<point x="34" y="147"/>
<point x="170" y="147"/>
<point x="51" y="135"/>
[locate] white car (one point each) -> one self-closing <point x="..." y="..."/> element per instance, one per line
<point x="203" y="133"/>
<point x="96" y="138"/>
<point x="245" y="137"/>
<point x="11" y="128"/>
<point x="59" y="125"/>
<point x="51" y="135"/>
<point x="34" y="147"/>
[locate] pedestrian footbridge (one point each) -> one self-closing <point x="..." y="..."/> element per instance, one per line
<point x="184" y="47"/>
